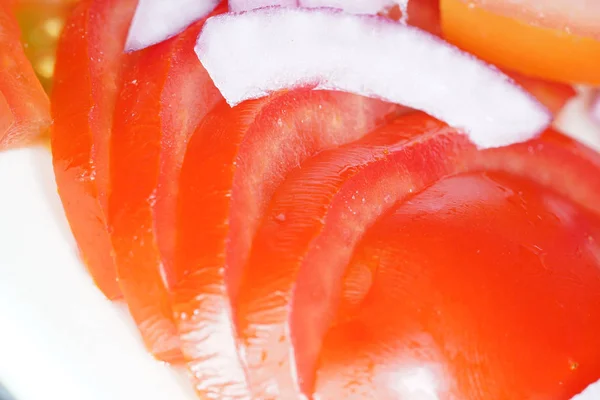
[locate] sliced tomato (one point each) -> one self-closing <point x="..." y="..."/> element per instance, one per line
<point x="24" y="104"/>
<point x="165" y="95"/>
<point x="425" y="14"/>
<point x="552" y="160"/>
<point x="309" y="231"/>
<point x="485" y="286"/>
<point x="88" y="72"/>
<point x="234" y="162"/>
<point x="511" y="43"/>
<point x="291" y="290"/>
<point x="553" y="95"/>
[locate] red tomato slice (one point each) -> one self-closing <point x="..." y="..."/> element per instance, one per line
<point x="28" y="113"/>
<point x="485" y="286"/>
<point x="554" y="95"/>
<point x="88" y="67"/>
<point x="165" y="95"/>
<point x="234" y="162"/>
<point x="552" y="160"/>
<point x="309" y="231"/>
<point x="300" y="252"/>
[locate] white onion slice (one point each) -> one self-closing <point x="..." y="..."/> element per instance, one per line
<point x="252" y="54"/>
<point x="158" y="20"/>
<point x="591" y="393"/>
<point x="351" y="6"/>
<point x="357" y="6"/>
<point x="246" y="5"/>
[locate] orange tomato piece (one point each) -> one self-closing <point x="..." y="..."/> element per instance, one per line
<point x="425" y="14"/>
<point x="41" y="23"/>
<point x="484" y="286"/>
<point x="87" y="78"/>
<point x="288" y="295"/>
<point x="235" y="160"/>
<point x="511" y="43"/>
<point x="165" y="95"/>
<point x="27" y="111"/>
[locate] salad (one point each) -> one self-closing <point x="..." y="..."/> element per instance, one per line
<point x="320" y="199"/>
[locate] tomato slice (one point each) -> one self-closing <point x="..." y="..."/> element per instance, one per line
<point x="309" y="231"/>
<point x="485" y="286"/>
<point x="25" y="106"/>
<point x="552" y="160"/>
<point x="87" y="77"/>
<point x="165" y="95"/>
<point x="234" y="162"/>
<point x="532" y="50"/>
<point x="553" y="95"/>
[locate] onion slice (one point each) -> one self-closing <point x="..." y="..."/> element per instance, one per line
<point x="592" y="392"/>
<point x="252" y="54"/>
<point x="246" y="5"/>
<point x="350" y="6"/>
<point x="357" y="6"/>
<point x="158" y="20"/>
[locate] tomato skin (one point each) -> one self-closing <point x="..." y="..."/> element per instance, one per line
<point x="492" y="291"/>
<point x="234" y="162"/>
<point x="87" y="77"/>
<point x="531" y="50"/>
<point x="28" y="113"/>
<point x="165" y="95"/>
<point x="311" y="225"/>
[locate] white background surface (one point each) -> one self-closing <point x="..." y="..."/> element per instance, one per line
<point x="59" y="338"/>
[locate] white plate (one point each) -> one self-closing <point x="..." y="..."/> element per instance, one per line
<point x="59" y="337"/>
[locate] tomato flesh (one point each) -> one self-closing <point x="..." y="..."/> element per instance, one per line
<point x="234" y="162"/>
<point x="24" y="105"/>
<point x="310" y="227"/>
<point x="89" y="62"/>
<point x="484" y="286"/>
<point x="165" y="95"/>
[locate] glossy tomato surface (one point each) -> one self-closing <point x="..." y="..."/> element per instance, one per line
<point x="89" y="62"/>
<point x="24" y="106"/>
<point x="166" y="93"/>
<point x="483" y="286"/>
<point x="291" y="284"/>
<point x="235" y="160"/>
